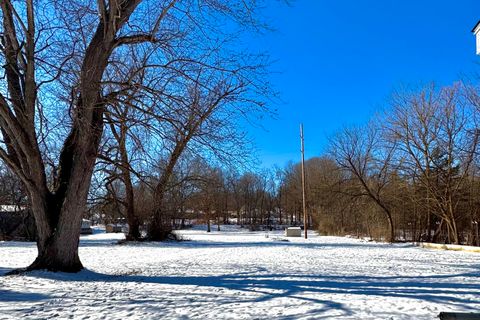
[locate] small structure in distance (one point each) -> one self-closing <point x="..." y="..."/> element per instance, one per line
<point x="86" y="227"/>
<point x="113" y="228"/>
<point x="293" y="232"/>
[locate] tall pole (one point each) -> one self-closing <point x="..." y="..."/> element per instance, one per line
<point x="305" y="223"/>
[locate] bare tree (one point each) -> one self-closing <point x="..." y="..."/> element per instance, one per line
<point x="202" y="121"/>
<point x="359" y="151"/>
<point x="62" y="53"/>
<point x="58" y="207"/>
<point x="437" y="141"/>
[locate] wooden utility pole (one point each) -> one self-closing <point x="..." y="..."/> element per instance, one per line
<point x="305" y="222"/>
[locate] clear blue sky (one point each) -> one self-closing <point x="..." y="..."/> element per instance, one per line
<point x="338" y="62"/>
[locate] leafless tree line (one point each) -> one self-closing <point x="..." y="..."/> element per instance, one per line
<point x="410" y="174"/>
<point x="202" y="192"/>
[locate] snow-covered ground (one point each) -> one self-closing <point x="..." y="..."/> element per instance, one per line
<point x="236" y="274"/>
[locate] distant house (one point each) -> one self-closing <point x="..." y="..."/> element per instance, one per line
<point x="86" y="227"/>
<point x="17" y="223"/>
<point x="476" y="32"/>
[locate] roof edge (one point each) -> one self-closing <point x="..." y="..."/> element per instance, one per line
<point x="476" y="26"/>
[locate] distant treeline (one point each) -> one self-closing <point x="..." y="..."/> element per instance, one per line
<point x="411" y="174"/>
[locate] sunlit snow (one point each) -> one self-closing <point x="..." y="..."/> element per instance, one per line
<point x="237" y="274"/>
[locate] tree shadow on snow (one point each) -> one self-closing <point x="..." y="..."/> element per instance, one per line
<point x="14" y="296"/>
<point x="263" y="287"/>
<point x="458" y="291"/>
<point x="4" y="271"/>
<point x="268" y="243"/>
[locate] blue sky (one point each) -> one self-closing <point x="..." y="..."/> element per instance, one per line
<point x="338" y="62"/>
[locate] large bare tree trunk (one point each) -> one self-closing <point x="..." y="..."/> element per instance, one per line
<point x="58" y="210"/>
<point x="58" y="222"/>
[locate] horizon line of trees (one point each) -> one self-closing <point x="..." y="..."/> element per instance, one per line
<point x="411" y="174"/>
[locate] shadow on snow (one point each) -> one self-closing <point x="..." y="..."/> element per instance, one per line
<point x="14" y="296"/>
<point x="265" y="287"/>
<point x="261" y="286"/>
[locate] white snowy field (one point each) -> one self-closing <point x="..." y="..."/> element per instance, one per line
<point x="236" y="274"/>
